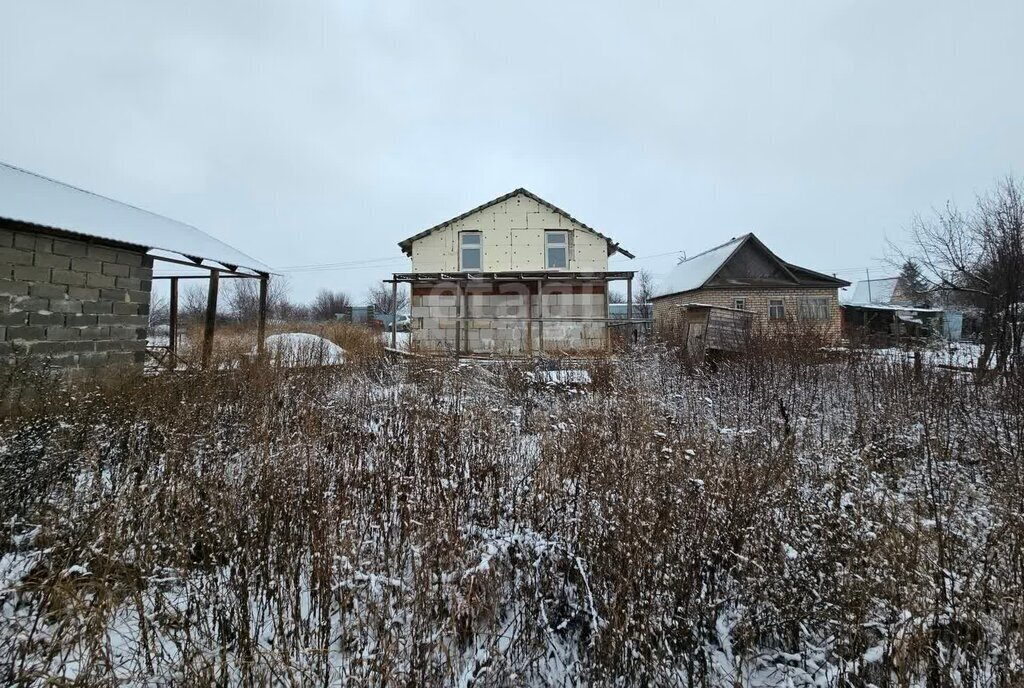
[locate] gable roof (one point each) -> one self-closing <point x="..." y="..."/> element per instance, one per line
<point x="698" y="271"/>
<point x="406" y="244"/>
<point x="37" y="200"/>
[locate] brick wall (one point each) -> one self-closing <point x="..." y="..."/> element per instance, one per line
<point x="666" y="316"/>
<point x="74" y="303"/>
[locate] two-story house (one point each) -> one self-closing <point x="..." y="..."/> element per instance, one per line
<point x="516" y="275"/>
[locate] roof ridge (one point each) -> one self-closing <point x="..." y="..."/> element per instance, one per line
<point x="715" y="248"/>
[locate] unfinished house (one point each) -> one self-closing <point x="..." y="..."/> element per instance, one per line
<point x="76" y="273"/>
<point x="743" y="274"/>
<point x="514" y="276"/>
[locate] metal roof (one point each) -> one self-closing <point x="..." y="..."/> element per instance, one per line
<point x="406" y="244"/>
<point x="695" y="272"/>
<point x="875" y="291"/>
<point x="33" y="199"/>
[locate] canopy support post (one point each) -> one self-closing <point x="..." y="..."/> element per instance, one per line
<point x="261" y="316"/>
<point x="394" y="314"/>
<point x="211" y="317"/>
<point x="172" y="316"/>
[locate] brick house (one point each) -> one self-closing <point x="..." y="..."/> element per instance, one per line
<point x="76" y="271"/>
<point x="744" y="274"/>
<point x="514" y="276"/>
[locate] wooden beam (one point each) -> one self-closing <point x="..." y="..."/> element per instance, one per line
<point x="540" y="317"/>
<point x="629" y="309"/>
<point x="529" y="322"/>
<point x="465" y="319"/>
<point x="261" y="316"/>
<point x="629" y="298"/>
<point x="173" y="321"/>
<point x="394" y="315"/>
<point x="211" y="317"/>
<point x="458" y="318"/>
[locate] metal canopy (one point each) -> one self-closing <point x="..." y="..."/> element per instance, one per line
<point x="51" y="205"/>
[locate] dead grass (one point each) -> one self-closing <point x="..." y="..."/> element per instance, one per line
<point x="440" y="523"/>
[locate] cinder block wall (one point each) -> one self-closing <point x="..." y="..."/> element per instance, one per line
<point x="500" y="326"/>
<point x="73" y="303"/>
<point x="666" y="313"/>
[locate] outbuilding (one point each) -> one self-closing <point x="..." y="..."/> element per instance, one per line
<point x="76" y="272"/>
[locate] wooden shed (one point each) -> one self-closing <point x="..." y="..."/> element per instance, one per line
<point x="705" y="328"/>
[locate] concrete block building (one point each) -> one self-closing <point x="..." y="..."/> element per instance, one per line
<point x="743" y="274"/>
<point x="514" y="276"/>
<point x="76" y="271"/>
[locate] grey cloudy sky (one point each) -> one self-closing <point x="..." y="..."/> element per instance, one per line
<point x="325" y="132"/>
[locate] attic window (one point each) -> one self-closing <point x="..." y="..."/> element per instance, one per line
<point x="556" y="249"/>
<point x="469" y="250"/>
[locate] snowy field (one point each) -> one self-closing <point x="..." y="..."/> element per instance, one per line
<point x="632" y="522"/>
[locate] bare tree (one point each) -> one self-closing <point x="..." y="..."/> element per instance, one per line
<point x="379" y="296"/>
<point x="976" y="258"/>
<point x="615" y="296"/>
<point x="243" y="298"/>
<point x="159" y="310"/>
<point x="327" y="304"/>
<point x="642" y="292"/>
<point x="192" y="303"/>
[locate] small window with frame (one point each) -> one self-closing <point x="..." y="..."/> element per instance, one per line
<point x="740" y="303"/>
<point x="556" y="250"/>
<point x="470" y="251"/>
<point x="776" y="309"/>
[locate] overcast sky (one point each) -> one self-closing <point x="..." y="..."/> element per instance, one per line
<point x="310" y="133"/>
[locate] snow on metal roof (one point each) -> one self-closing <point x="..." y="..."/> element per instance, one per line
<point x="34" y="199"/>
<point x="874" y="291"/>
<point x="693" y="272"/>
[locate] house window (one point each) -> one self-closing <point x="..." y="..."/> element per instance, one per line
<point x="813" y="308"/>
<point x="469" y="250"/>
<point x="740" y="303"/>
<point x="776" y="309"/>
<point x="556" y="247"/>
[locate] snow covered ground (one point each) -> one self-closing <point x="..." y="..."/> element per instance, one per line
<point x="771" y="524"/>
<point x="956" y="355"/>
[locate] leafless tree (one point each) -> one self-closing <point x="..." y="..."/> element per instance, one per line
<point x="243" y="298"/>
<point x="379" y="296"/>
<point x="327" y="304"/>
<point x="976" y="259"/>
<point x="159" y="310"/>
<point x="616" y="296"/>
<point x="643" y="290"/>
<point x="192" y="302"/>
